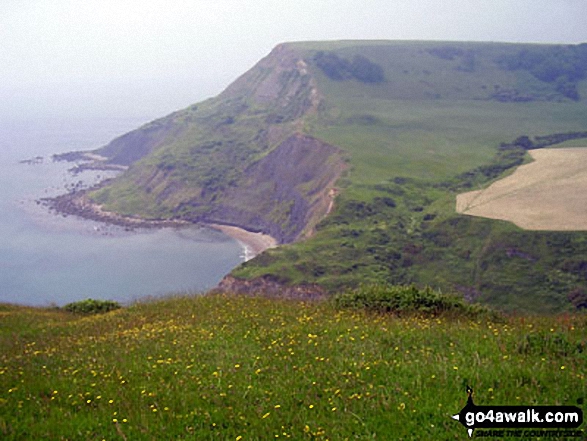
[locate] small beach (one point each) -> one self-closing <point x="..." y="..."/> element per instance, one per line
<point x="253" y="243"/>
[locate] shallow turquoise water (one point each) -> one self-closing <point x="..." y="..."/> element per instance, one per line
<point x="50" y="259"/>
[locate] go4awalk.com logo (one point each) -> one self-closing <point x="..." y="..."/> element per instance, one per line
<point x="520" y="421"/>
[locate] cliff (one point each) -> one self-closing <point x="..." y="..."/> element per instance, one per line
<point x="240" y="159"/>
<point x="394" y="130"/>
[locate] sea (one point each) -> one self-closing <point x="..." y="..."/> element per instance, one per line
<point x="47" y="259"/>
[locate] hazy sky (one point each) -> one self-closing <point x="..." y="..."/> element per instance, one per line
<point x="149" y="57"/>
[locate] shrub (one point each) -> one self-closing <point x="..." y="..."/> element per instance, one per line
<point x="578" y="298"/>
<point x="333" y="66"/>
<point x="366" y="71"/>
<point x="340" y="69"/>
<point x="563" y="66"/>
<point x="91" y="306"/>
<point x="406" y="299"/>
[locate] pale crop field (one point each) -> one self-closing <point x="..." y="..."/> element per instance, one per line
<point x="549" y="193"/>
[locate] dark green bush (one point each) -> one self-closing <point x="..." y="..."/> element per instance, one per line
<point x="91" y="306"/>
<point x="366" y="71"/>
<point x="333" y="66"/>
<point x="561" y="65"/>
<point x="340" y="69"/>
<point x="406" y="299"/>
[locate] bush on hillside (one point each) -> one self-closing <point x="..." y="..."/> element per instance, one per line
<point x="406" y="299"/>
<point x="366" y="71"/>
<point x="562" y="65"/>
<point x="340" y="69"/>
<point x="91" y="306"/>
<point x="333" y="66"/>
<point x="578" y="298"/>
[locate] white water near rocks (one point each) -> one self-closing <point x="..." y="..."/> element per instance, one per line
<point x="50" y="259"/>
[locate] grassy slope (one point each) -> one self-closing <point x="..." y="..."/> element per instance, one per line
<point x="432" y="119"/>
<point x="430" y="141"/>
<point x="207" y="147"/>
<point x="217" y="367"/>
<point x="222" y="161"/>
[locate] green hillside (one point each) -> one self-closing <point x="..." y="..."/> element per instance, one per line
<point x="397" y="129"/>
<point x="252" y="368"/>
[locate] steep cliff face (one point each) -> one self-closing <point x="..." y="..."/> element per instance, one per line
<point x="285" y="193"/>
<point x="240" y="158"/>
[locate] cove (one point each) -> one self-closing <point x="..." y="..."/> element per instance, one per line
<point x="49" y="259"/>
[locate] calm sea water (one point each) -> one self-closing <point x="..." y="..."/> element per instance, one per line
<point x="50" y="259"/>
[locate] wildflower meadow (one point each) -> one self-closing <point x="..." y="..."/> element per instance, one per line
<point x="251" y="368"/>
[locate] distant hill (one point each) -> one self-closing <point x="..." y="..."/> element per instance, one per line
<point x="393" y="131"/>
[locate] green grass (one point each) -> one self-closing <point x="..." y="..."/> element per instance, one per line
<point x="435" y="140"/>
<point x="201" y="150"/>
<point x="222" y="367"/>
<point x="430" y="119"/>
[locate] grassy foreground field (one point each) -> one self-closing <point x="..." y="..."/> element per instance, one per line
<point x="242" y="368"/>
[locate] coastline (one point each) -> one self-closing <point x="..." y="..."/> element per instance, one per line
<point x="78" y="204"/>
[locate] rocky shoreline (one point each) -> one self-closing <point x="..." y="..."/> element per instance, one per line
<point x="86" y="161"/>
<point x="78" y="204"/>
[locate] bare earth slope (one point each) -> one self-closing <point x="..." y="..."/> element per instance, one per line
<point x="286" y="192"/>
<point x="547" y="194"/>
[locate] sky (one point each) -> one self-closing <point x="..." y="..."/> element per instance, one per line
<point x="146" y="58"/>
